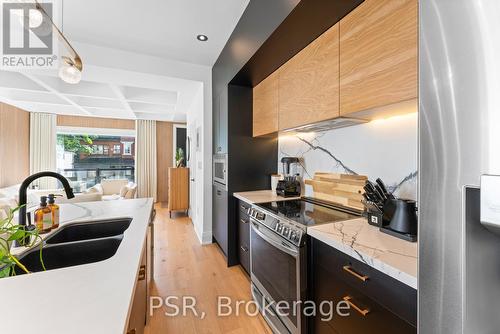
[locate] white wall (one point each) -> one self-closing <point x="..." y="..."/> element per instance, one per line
<point x="121" y="65"/>
<point x="384" y="148"/>
<point x="197" y="165"/>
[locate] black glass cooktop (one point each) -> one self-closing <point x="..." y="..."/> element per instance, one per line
<point x="308" y="212"/>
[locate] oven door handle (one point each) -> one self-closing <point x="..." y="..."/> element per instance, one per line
<point x="274" y="241"/>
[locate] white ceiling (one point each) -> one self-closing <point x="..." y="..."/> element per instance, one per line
<point x="120" y="41"/>
<point x="48" y="93"/>
<point x="164" y="28"/>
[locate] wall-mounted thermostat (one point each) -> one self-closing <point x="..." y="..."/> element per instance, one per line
<point x="490" y="202"/>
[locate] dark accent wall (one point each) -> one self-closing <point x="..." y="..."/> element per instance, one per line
<point x="250" y="160"/>
<point x="268" y="34"/>
<point x="307" y="21"/>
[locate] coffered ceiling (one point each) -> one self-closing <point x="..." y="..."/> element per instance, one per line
<point x="139" y="58"/>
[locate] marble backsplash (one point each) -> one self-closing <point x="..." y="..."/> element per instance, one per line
<point x="384" y="148"/>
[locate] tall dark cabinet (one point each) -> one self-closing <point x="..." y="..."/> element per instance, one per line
<point x="250" y="160"/>
<point x="268" y="34"/>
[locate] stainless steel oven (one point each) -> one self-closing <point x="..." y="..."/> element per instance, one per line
<point x="220" y="168"/>
<point x="278" y="268"/>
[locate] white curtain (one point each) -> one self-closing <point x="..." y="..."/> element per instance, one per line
<point x="145" y="158"/>
<point x="43" y="142"/>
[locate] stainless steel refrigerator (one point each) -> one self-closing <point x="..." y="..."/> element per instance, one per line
<point x="459" y="140"/>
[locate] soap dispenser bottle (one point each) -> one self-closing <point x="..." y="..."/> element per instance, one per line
<point x="54" y="208"/>
<point x="43" y="216"/>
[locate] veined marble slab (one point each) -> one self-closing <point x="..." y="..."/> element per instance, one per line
<point x="261" y="196"/>
<point x="91" y="298"/>
<point x="390" y="255"/>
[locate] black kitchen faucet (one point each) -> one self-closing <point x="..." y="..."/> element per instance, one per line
<point x="24" y="188"/>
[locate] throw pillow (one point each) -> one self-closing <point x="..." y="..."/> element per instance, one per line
<point x="124" y="190"/>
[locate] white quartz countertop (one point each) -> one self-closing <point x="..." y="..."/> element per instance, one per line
<point x="392" y="256"/>
<point x="92" y="298"/>
<point x="261" y="196"/>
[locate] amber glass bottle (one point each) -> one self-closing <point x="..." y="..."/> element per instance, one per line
<point x="54" y="208"/>
<point x="43" y="216"/>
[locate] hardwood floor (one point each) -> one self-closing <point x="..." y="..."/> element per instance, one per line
<point x="183" y="267"/>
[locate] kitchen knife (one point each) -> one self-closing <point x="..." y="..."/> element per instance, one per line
<point x="380" y="191"/>
<point x="372" y="190"/>
<point x="372" y="207"/>
<point x="369" y="193"/>
<point x="384" y="188"/>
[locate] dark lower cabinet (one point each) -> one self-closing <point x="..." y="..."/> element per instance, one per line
<point x="243" y="235"/>
<point x="219" y="217"/>
<point x="379" y="304"/>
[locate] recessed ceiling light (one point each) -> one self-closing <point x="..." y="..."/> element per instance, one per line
<point x="202" y="38"/>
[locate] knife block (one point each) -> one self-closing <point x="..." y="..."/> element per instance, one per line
<point x="375" y="218"/>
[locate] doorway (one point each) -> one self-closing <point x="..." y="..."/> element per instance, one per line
<point x="180" y="138"/>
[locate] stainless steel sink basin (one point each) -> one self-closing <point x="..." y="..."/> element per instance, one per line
<point x="89" y="231"/>
<point x="70" y="254"/>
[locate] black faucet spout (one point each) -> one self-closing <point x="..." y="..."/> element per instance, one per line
<point x="24" y="188"/>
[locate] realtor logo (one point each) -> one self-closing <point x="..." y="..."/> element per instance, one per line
<point x="27" y="36"/>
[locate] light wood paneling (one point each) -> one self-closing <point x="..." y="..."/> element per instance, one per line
<point x="265" y="106"/>
<point x="164" y="157"/>
<point x="309" y="83"/>
<point x="378" y="55"/>
<point x="178" y="189"/>
<point x="95" y="122"/>
<point x="184" y="267"/>
<point x="14" y="145"/>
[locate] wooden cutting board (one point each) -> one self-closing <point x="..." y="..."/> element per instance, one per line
<point x="343" y="189"/>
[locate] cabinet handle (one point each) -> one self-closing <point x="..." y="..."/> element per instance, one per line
<point x="142" y="273"/>
<point x="351" y="271"/>
<point x="361" y="311"/>
<point x="132" y="331"/>
<point x="243" y="248"/>
<point x="243" y="221"/>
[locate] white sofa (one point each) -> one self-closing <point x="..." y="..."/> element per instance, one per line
<point x="114" y="189"/>
<point x="105" y="191"/>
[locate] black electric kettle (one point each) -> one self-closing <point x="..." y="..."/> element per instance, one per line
<point x="400" y="215"/>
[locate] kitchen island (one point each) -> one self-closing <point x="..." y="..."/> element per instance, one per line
<point x="91" y="298"/>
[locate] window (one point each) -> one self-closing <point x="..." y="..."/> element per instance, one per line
<point x="88" y="159"/>
<point x="127" y="148"/>
<point x="97" y="149"/>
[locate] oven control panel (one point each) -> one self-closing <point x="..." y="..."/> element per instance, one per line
<point x="283" y="228"/>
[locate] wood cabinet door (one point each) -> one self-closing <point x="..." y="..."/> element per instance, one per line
<point x="138" y="314"/>
<point x="378" y="55"/>
<point x="309" y="83"/>
<point x="265" y="106"/>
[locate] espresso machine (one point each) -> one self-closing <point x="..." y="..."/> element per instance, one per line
<point x="290" y="185"/>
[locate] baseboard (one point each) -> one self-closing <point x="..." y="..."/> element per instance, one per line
<point x="207" y="238"/>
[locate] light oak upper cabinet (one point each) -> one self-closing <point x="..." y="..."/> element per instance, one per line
<point x="265" y="106"/>
<point x="309" y="83"/>
<point x="378" y="55"/>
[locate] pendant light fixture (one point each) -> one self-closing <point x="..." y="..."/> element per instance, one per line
<point x="70" y="70"/>
<point x="71" y="66"/>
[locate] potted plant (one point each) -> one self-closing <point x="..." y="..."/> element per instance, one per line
<point x="12" y="232"/>
<point x="179" y="158"/>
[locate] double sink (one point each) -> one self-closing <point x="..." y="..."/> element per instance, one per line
<point x="76" y="244"/>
